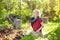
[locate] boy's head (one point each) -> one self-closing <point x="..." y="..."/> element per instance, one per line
<point x="36" y="13"/>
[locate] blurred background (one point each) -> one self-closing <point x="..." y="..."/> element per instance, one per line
<point x="50" y="13"/>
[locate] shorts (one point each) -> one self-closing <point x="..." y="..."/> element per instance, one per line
<point x="39" y="34"/>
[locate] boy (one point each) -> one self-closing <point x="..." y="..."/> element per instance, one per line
<point x="36" y="23"/>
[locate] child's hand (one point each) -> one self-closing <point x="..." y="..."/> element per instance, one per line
<point x="24" y="32"/>
<point x="33" y="32"/>
<point x="37" y="31"/>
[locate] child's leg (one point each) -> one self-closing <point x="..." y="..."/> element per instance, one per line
<point x="35" y="34"/>
<point x="42" y="36"/>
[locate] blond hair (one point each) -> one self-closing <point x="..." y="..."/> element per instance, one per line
<point x="38" y="11"/>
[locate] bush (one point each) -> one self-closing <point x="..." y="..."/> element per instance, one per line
<point x="28" y="37"/>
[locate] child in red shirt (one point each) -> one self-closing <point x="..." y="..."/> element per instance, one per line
<point x="36" y="23"/>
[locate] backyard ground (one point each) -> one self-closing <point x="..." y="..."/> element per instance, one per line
<point x="50" y="31"/>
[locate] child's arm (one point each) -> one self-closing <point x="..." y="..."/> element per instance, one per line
<point x="28" y="25"/>
<point x="40" y="27"/>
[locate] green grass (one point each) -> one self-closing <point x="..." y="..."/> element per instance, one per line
<point x="50" y="31"/>
<point x="53" y="30"/>
<point x="28" y="37"/>
<point x="50" y="27"/>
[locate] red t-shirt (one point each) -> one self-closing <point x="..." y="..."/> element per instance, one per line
<point x="37" y="24"/>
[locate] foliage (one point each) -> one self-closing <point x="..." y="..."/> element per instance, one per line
<point x="24" y="8"/>
<point x="28" y="37"/>
<point x="54" y="35"/>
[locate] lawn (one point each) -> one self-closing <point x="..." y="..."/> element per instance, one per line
<point x="50" y="31"/>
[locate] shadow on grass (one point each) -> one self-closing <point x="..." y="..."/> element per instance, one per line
<point x="54" y="35"/>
